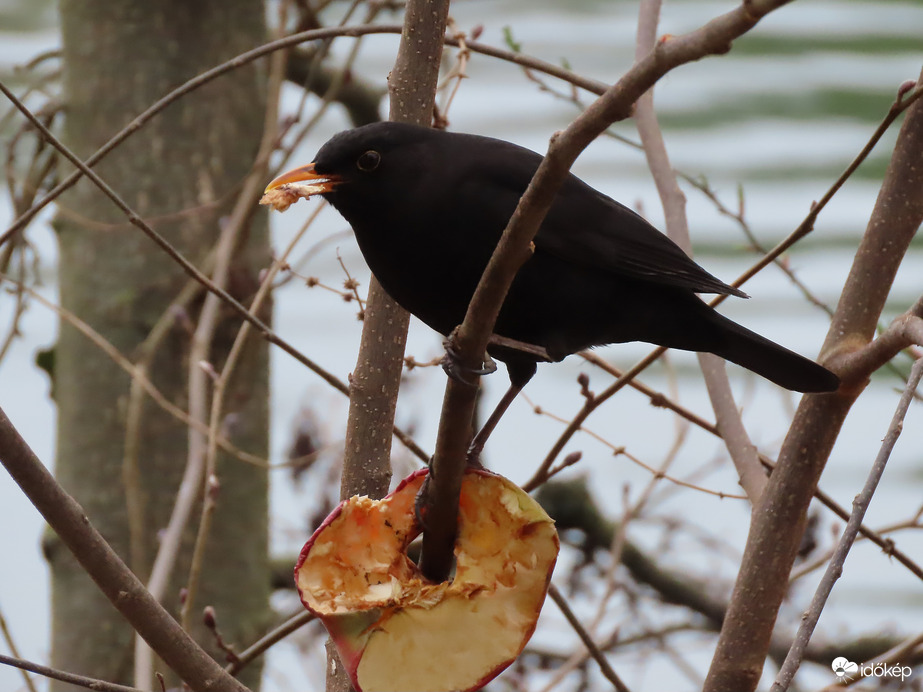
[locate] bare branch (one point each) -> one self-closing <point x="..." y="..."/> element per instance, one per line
<point x="659" y="399"/>
<point x="123" y="589"/>
<point x="64" y="676"/>
<point x="376" y="378"/>
<point x="588" y="642"/>
<point x="259" y="647"/>
<point x="835" y="568"/>
<point x="778" y="522"/>
<point x="743" y="453"/>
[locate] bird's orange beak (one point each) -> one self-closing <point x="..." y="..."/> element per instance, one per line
<point x="322" y="183"/>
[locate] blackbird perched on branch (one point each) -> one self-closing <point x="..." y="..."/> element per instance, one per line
<point x="429" y="206"/>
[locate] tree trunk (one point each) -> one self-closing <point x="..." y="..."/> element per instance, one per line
<point x="180" y="172"/>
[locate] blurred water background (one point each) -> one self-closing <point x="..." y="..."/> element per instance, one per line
<point x="780" y="116"/>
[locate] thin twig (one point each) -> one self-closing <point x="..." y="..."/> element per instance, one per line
<point x="195" y="273"/>
<point x="659" y="399"/>
<point x="901" y="103"/>
<point x="588" y="642"/>
<point x="137" y="374"/>
<point x="64" y="676"/>
<point x="541" y="473"/>
<point x="658" y="474"/>
<point x="860" y="506"/>
<point x="276" y="635"/>
<point x="714" y="370"/>
<point x="11" y="645"/>
<point x="255" y="54"/>
<point x="738" y="216"/>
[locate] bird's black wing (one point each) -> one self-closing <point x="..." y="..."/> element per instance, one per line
<point x="583" y="226"/>
<point x="586" y="227"/>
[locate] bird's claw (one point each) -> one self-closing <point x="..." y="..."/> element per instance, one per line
<point x="460" y="372"/>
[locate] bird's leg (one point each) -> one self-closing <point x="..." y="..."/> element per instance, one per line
<point x="477" y="444"/>
<point x="521" y="371"/>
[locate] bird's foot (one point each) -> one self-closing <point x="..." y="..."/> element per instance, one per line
<point x="461" y="372"/>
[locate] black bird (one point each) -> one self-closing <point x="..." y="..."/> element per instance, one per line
<point x="428" y="208"/>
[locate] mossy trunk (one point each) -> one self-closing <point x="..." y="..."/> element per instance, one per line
<point x="180" y="173"/>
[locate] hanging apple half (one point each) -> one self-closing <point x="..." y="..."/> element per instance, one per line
<point x="395" y="631"/>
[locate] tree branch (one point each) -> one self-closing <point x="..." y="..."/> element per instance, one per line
<point x="727" y="414"/>
<point x="778" y="522"/>
<point x="587" y="640"/>
<point x="123" y="589"/>
<point x="64" y="676"/>
<point x="661" y="400"/>
<point x="835" y="567"/>
<point x="376" y="379"/>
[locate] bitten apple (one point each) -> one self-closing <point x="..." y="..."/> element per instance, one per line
<point x="395" y="631"/>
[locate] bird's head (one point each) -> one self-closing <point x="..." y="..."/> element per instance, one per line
<point x="362" y="164"/>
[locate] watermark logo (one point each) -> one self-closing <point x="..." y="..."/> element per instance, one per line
<point x="845" y="670"/>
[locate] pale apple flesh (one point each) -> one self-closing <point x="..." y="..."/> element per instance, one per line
<point x="394" y="631"/>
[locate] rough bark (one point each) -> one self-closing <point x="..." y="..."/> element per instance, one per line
<point x="376" y="379"/>
<point x="180" y="172"/>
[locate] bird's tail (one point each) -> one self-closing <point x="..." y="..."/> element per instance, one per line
<point x="770" y="360"/>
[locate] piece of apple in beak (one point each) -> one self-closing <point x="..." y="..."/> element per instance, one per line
<point x="395" y="631"/>
<point x="296" y="184"/>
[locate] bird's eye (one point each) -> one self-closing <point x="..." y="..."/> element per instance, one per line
<point x="368" y="161"/>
